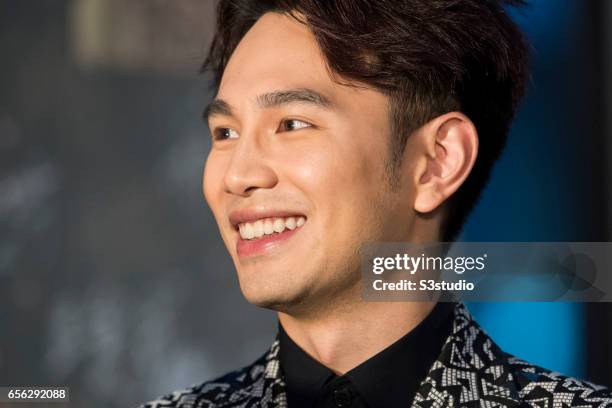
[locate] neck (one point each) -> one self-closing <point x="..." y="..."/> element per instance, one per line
<point x="345" y="337"/>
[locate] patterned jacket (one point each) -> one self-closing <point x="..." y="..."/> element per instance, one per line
<point x="471" y="371"/>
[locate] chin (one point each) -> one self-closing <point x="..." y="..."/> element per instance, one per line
<point x="273" y="302"/>
<point x="277" y="298"/>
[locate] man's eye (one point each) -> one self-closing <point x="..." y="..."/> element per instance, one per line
<point x="292" y="124"/>
<point x="225" y="133"/>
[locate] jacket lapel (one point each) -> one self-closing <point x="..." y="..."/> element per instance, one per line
<point x="275" y="395"/>
<point x="471" y="371"/>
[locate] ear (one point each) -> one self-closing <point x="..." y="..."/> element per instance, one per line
<point x="451" y="147"/>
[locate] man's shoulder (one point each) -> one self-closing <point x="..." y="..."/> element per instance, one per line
<point x="235" y="386"/>
<point x="537" y="386"/>
<point x="473" y="370"/>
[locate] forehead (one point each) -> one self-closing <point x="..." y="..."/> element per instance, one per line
<point x="278" y="52"/>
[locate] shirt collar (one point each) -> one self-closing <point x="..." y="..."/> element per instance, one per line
<point x="390" y="378"/>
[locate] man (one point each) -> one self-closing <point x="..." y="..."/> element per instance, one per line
<point x="342" y="122"/>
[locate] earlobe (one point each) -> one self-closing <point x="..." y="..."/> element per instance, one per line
<point x="451" y="149"/>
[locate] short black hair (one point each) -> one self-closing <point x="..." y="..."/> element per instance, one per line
<point x="429" y="57"/>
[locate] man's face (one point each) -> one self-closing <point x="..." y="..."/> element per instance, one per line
<point x="296" y="175"/>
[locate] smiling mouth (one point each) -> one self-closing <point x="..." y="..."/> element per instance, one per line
<point x="269" y="227"/>
<point x="263" y="236"/>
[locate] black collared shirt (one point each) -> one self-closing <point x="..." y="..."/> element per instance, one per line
<point x="389" y="379"/>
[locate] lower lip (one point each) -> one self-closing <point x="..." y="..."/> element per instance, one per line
<point x="252" y="247"/>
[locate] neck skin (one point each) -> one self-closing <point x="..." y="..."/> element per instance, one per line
<point x="343" y="339"/>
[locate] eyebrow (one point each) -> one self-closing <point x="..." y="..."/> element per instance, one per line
<point x="271" y="100"/>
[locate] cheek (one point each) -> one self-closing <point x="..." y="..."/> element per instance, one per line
<point x="212" y="182"/>
<point x="341" y="178"/>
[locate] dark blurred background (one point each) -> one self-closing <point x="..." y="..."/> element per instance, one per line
<point x="113" y="279"/>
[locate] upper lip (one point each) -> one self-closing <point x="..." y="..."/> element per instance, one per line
<point x="253" y="214"/>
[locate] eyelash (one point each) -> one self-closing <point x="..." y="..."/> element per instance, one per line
<point x="307" y="125"/>
<point x="221" y="133"/>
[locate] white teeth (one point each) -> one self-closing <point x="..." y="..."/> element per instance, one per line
<point x="258" y="228"/>
<point x="247" y="231"/>
<point x="290" y="223"/>
<point x="279" y="225"/>
<point x="268" y="226"/>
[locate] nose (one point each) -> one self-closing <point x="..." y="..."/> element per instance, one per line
<point x="248" y="169"/>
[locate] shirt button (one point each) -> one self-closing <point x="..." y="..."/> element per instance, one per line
<point x="342" y="397"/>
